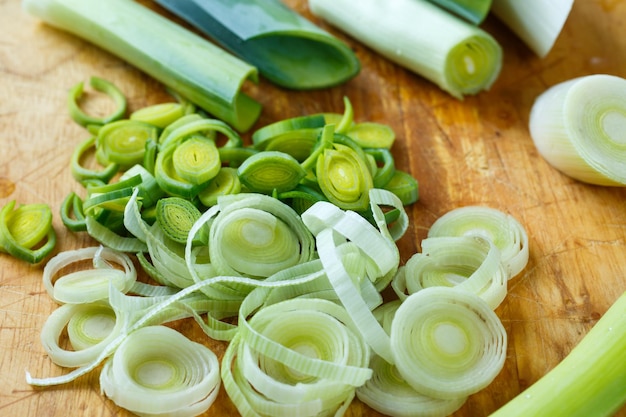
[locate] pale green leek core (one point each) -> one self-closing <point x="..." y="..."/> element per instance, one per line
<point x="579" y="127"/>
<point x="287" y="49"/>
<point x="459" y="57"/>
<point x="590" y="381"/>
<point x="164" y="50"/>
<point x="537" y="23"/>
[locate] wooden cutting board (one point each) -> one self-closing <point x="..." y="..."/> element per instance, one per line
<point x="476" y="151"/>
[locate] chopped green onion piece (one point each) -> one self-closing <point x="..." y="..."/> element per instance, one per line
<point x="474" y="11"/>
<point x="123" y="142"/>
<point x="271" y="170"/>
<point x="537" y="23"/>
<point x="461" y="58"/>
<point x="286" y="48"/>
<point x="26" y="232"/>
<point x="578" y="127"/>
<point x="160" y="115"/>
<point x="224" y="183"/>
<point x="102" y="85"/>
<point x="176" y="216"/>
<point x="372" y="135"/>
<point x="82" y="174"/>
<point x="127" y="29"/>
<point x="405" y="186"/>
<point x="589" y="381"/>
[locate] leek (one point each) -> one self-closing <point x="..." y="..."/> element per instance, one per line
<point x="578" y="127"/>
<point x="26" y="231"/>
<point x="461" y="58"/>
<point x="164" y="50"/>
<point x="104" y="86"/>
<point x="471" y="10"/>
<point x="590" y="381"/>
<point x="286" y="48"/>
<point x="536" y="22"/>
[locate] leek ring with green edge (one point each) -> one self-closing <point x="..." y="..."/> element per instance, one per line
<point x="189" y="126"/>
<point x="467" y="263"/>
<point x="104" y="86"/>
<point x="462" y="343"/>
<point x="385" y="166"/>
<point x="83" y="174"/>
<point x="262" y="136"/>
<point x="267" y="171"/>
<point x="462" y="60"/>
<point x="286" y="48"/>
<point x="126" y="29"/>
<point x="176" y="215"/>
<point x="224" y="183"/>
<point x="502" y="229"/>
<point x="157" y="370"/>
<point x="388" y="393"/>
<point x="160" y="115"/>
<point x="123" y="142"/>
<point x="166" y="133"/>
<point x="196" y="160"/>
<point x="169" y="180"/>
<point x="90" y="327"/>
<point x="372" y="135"/>
<point x="404" y="186"/>
<point x="344" y="177"/>
<point x="578" y="127"/>
<point x="88" y="285"/>
<point x="234" y="157"/>
<point x="26" y="232"/>
<point x="72" y="214"/>
<point x="471" y="10"/>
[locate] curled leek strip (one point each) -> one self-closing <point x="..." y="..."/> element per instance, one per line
<point x="267" y="171"/>
<point x="104" y="86"/>
<point x="176" y="216"/>
<point x="578" y="127"/>
<point x="465" y="263"/>
<point x="157" y="370"/>
<point x="388" y="393"/>
<point x="90" y="327"/>
<point x="462" y="59"/>
<point x="72" y="214"/>
<point x="502" y="229"/>
<point x="83" y="174"/>
<point x="110" y="268"/>
<point x="26" y="232"/>
<point x="461" y="347"/>
<point x="123" y="142"/>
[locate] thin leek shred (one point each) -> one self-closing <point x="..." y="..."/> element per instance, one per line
<point x="589" y="381"/>
<point x="471" y="10"/>
<point x="460" y="58"/>
<point x="286" y="48"/>
<point x="578" y="127"/>
<point x="176" y="57"/>
<point x="26" y="231"/>
<point x="537" y="23"/>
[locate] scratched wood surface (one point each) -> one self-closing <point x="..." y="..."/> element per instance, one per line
<point x="476" y="151"/>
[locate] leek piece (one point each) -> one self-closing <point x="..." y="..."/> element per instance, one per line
<point x="26" y="232"/>
<point x="169" y="180"/>
<point x="404" y="186"/>
<point x="196" y="160"/>
<point x="474" y="11"/>
<point x="83" y="174"/>
<point x="176" y="216"/>
<point x="461" y="59"/>
<point x="502" y="229"/>
<point x="578" y="127"/>
<point x="104" y="86"/>
<point x="224" y="183"/>
<point x="462" y="347"/>
<point x="123" y="142"/>
<point x="162" y="49"/>
<point x="267" y="171"/>
<point x="536" y="22"/>
<point x="286" y="48"/>
<point x="160" y="115"/>
<point x="72" y="214"/>
<point x="589" y="381"/>
<point x="372" y="135"/>
<point x="156" y="370"/>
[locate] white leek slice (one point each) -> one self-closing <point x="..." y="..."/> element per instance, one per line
<point x="537" y="23"/>
<point x="157" y="371"/>
<point x="87" y="285"/>
<point x="467" y="263"/>
<point x="459" y="57"/>
<point x="447" y="343"/>
<point x="579" y="127"/>
<point x="502" y="229"/>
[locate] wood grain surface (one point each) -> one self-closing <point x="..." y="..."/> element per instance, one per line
<point x="475" y="151"/>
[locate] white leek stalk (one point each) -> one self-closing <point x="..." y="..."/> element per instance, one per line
<point x="157" y="371"/>
<point x="579" y="127"/>
<point x="537" y="23"/>
<point x="459" y="57"/>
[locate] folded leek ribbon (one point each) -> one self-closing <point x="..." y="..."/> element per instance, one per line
<point x="285" y="47"/>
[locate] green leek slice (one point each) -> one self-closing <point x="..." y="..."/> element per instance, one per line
<point x="72" y="214"/>
<point x="104" y="86"/>
<point x="160" y="115"/>
<point x="474" y="11"/>
<point x="127" y="29"/>
<point x="26" y="232"/>
<point x="405" y="186"/>
<point x="224" y="183"/>
<point x="196" y="160"/>
<point x="462" y="59"/>
<point x="267" y="171"/>
<point x="83" y="174"/>
<point x="176" y="216"/>
<point x="286" y="48"/>
<point x="123" y="142"/>
<point x="372" y="135"/>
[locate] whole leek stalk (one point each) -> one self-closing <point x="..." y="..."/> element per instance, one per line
<point x="590" y="381"/>
<point x="459" y="57"/>
<point x="183" y="61"/>
<point x="286" y="48"/>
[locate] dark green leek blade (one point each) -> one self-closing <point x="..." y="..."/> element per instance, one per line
<point x="286" y="48"/>
<point x="474" y="11"/>
<point x="196" y="69"/>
